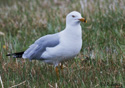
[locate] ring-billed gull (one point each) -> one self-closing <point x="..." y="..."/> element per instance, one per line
<point x="58" y="47"/>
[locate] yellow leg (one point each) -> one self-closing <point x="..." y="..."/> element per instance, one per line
<point x="57" y="72"/>
<point x="61" y="66"/>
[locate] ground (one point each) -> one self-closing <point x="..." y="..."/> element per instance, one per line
<point x="101" y="62"/>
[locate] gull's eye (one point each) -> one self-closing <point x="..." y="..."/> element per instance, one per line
<point x="73" y="16"/>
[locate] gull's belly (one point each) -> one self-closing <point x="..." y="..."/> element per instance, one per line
<point x="72" y="48"/>
<point x="63" y="50"/>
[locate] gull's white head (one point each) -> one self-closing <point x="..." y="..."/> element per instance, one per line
<point x="74" y="18"/>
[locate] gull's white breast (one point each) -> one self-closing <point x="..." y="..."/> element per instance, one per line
<point x="68" y="47"/>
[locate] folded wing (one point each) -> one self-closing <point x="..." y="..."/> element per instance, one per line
<point x="36" y="50"/>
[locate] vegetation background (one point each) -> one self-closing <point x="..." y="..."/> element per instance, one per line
<point x="101" y="63"/>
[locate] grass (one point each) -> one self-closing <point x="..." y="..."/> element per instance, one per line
<point x="101" y="62"/>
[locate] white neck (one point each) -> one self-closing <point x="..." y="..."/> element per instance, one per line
<point x="74" y="31"/>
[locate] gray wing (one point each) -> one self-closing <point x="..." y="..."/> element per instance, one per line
<point x="36" y="50"/>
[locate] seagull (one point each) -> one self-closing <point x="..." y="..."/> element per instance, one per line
<point x="59" y="47"/>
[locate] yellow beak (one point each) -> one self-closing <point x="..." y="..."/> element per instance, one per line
<point x="83" y="20"/>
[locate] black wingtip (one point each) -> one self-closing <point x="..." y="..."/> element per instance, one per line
<point x="8" y="54"/>
<point x="16" y="55"/>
